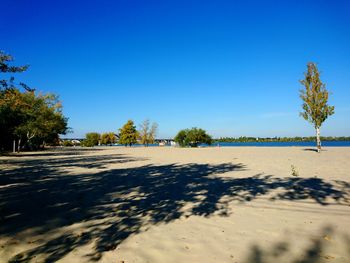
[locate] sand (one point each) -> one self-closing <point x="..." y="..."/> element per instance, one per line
<point x="116" y="204"/>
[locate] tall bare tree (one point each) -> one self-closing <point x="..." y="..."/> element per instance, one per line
<point x="315" y="100"/>
<point x="143" y="132"/>
<point x="148" y="133"/>
<point x="153" y="132"/>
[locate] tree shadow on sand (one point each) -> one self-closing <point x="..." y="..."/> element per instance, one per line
<point x="319" y="249"/>
<point x="113" y="204"/>
<point x="55" y="152"/>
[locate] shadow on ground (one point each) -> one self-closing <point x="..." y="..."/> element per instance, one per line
<point x="112" y="204"/>
<point x="319" y="249"/>
<point x="54" y="151"/>
<point x="311" y="150"/>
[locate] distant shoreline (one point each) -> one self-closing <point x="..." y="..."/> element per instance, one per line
<point x="247" y="144"/>
<point x="285" y="144"/>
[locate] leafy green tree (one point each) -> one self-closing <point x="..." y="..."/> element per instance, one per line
<point x="10" y="112"/>
<point x="181" y="138"/>
<point x="315" y="100"/>
<point x="43" y="120"/>
<point x="91" y="139"/>
<point x="104" y="139"/>
<point x="11" y="116"/>
<point x="193" y="137"/>
<point x="128" y="134"/>
<point x="108" y="138"/>
<point x="30" y="119"/>
<point x="147" y="133"/>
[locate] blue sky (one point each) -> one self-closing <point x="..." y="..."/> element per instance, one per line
<point x="230" y="67"/>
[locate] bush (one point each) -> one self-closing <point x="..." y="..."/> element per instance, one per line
<point x="92" y="139"/>
<point x="192" y="137"/>
<point x="108" y="138"/>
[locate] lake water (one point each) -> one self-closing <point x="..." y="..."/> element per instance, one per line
<point x="284" y="144"/>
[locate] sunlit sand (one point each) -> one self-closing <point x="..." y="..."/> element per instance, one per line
<point x="236" y="204"/>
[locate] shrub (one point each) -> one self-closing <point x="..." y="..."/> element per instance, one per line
<point x="92" y="139"/>
<point x="108" y="138"/>
<point x="192" y="137"/>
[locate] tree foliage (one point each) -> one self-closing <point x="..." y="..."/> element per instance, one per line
<point x="315" y="100"/>
<point x="5" y="67"/>
<point x="192" y="137"/>
<point x="128" y="134"/>
<point x="44" y="117"/>
<point x="108" y="138"/>
<point x="5" y="59"/>
<point x="147" y="133"/>
<point x="31" y="119"/>
<point x="91" y="139"/>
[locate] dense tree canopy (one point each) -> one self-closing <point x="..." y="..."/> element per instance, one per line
<point x="192" y="137"/>
<point x="30" y="119"/>
<point x="128" y="134"/>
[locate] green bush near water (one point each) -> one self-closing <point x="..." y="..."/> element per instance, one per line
<point x="192" y="137"/>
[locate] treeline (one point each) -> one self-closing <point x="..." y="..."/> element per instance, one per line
<point x="27" y="119"/>
<point x="126" y="135"/>
<point x="94" y="138"/>
<point x="280" y="139"/>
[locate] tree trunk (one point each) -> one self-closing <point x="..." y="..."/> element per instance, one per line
<point x="19" y="145"/>
<point x="14" y="145"/>
<point x="318" y="139"/>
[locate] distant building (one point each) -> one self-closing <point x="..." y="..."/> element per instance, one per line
<point x="75" y="142"/>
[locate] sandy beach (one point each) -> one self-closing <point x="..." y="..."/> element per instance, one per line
<point x="234" y="204"/>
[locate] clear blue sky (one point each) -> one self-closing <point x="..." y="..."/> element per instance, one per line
<point x="230" y="67"/>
